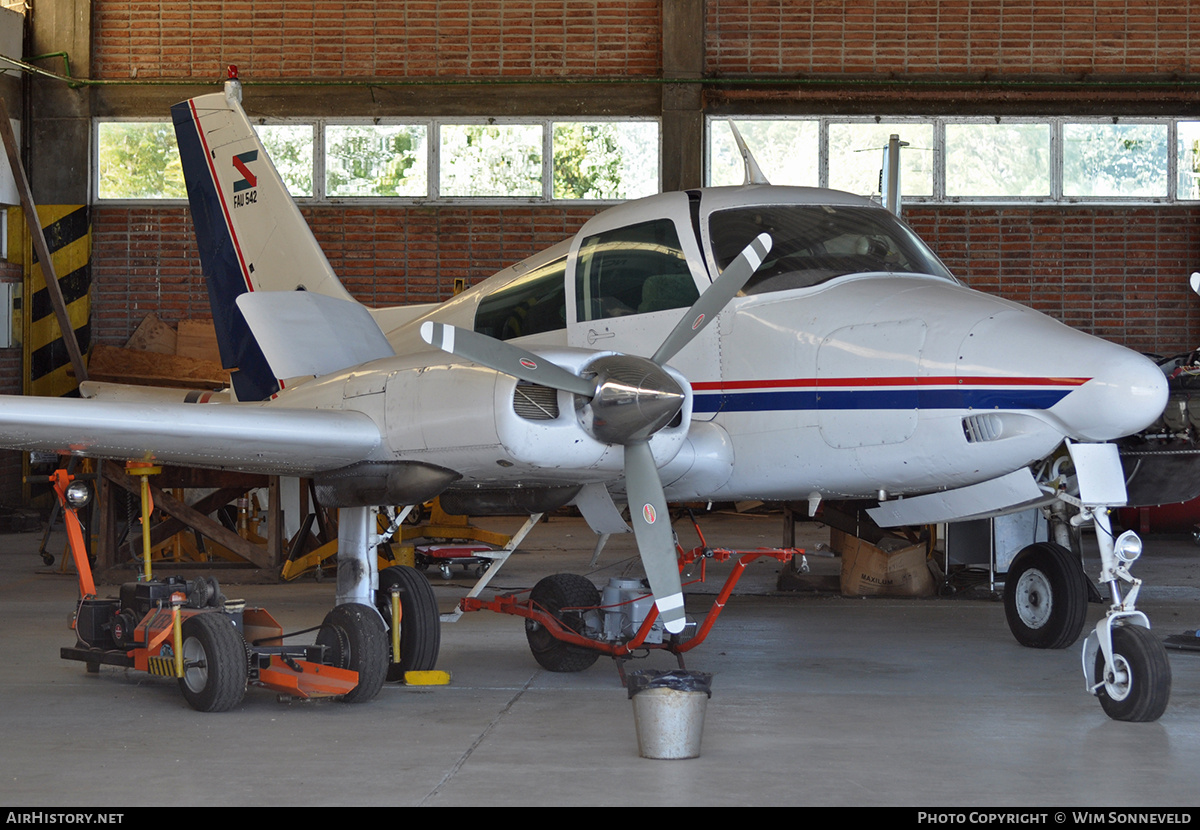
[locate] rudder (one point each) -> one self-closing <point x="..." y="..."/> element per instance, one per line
<point x="251" y="235"/>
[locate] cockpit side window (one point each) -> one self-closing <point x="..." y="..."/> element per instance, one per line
<point x="633" y="270"/>
<point x="535" y="303"/>
<point x="815" y="243"/>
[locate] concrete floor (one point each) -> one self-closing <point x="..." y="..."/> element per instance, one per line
<point x="817" y="700"/>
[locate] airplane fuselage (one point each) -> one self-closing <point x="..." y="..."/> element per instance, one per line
<point x="896" y="378"/>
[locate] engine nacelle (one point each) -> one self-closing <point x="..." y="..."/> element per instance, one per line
<point x="491" y="427"/>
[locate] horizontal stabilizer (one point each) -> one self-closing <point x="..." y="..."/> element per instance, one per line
<point x="302" y="333"/>
<point x="250" y="438"/>
<point x="101" y="391"/>
<point x="1015" y="491"/>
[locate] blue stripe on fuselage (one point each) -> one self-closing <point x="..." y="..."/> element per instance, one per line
<point x="881" y="399"/>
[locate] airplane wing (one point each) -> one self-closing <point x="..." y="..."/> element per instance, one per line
<point x="250" y="438"/>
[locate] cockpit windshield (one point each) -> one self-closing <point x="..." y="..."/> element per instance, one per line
<point x="815" y="243"/>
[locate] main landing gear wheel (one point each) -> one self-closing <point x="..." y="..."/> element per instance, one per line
<point x="1139" y="687"/>
<point x="552" y="594"/>
<point x="355" y="639"/>
<point x="420" y="625"/>
<point x="1045" y="596"/>
<point x="214" y="663"/>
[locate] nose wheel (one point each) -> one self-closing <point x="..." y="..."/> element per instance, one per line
<point x="1137" y="686"/>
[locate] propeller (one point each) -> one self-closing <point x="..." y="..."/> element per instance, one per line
<point x="628" y="399"/>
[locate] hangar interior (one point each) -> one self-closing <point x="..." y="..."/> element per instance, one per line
<point x="1052" y="159"/>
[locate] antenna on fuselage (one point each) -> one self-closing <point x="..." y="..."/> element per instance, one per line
<point x="754" y="173"/>
<point x="890" y="174"/>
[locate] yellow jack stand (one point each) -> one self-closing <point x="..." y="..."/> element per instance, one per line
<point x="144" y="469"/>
<point x="442" y="525"/>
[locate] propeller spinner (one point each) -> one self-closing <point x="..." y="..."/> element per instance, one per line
<point x="626" y="400"/>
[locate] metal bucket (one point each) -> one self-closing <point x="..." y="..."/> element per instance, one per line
<point x="668" y="712"/>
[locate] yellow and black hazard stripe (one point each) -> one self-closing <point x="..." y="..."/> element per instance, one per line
<point x="161" y="666"/>
<point x="68" y="236"/>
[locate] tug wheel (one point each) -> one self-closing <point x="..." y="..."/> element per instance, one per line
<point x="552" y="594"/>
<point x="1139" y="686"/>
<point x="1045" y="596"/>
<point x="355" y="639"/>
<point x="420" y="624"/>
<point x="214" y="663"/>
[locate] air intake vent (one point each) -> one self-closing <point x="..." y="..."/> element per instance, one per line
<point x="984" y="427"/>
<point x="534" y="402"/>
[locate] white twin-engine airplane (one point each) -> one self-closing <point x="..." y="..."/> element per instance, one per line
<point x="718" y="344"/>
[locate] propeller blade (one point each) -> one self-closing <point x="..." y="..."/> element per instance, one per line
<point x="714" y="298"/>
<point x="652" y="529"/>
<point x="503" y="357"/>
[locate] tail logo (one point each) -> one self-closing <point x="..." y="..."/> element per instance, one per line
<point x="240" y="163"/>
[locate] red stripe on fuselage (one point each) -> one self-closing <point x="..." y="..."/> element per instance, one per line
<point x="812" y="383"/>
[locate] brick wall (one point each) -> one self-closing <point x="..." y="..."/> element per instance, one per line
<point x="957" y="37"/>
<point x="1115" y="272"/>
<point x="472" y="38"/>
<point x="376" y="38"/>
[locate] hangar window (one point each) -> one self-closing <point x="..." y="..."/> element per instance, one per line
<point x="138" y="160"/>
<point x="549" y="160"/>
<point x="1188" y="160"/>
<point x="1017" y="155"/>
<point x="374" y="160"/>
<point x="787" y="151"/>
<point x="997" y="159"/>
<point x="291" y="147"/>
<point x="532" y="160"/>
<point x="490" y="160"/>
<point x="605" y="160"/>
<point x="856" y="148"/>
<point x="1106" y="159"/>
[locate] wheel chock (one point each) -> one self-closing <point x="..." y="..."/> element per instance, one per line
<point x="427" y="678"/>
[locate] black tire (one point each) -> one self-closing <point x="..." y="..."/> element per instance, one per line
<point x="354" y="638"/>
<point x="1045" y="596"/>
<point x="551" y="595"/>
<point x="214" y="663"/>
<point x="420" y="623"/>
<point x="1142" y="691"/>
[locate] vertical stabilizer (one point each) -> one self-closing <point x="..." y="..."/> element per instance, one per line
<point x="252" y="237"/>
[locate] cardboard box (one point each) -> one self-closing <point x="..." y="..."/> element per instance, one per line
<point x="895" y="569"/>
